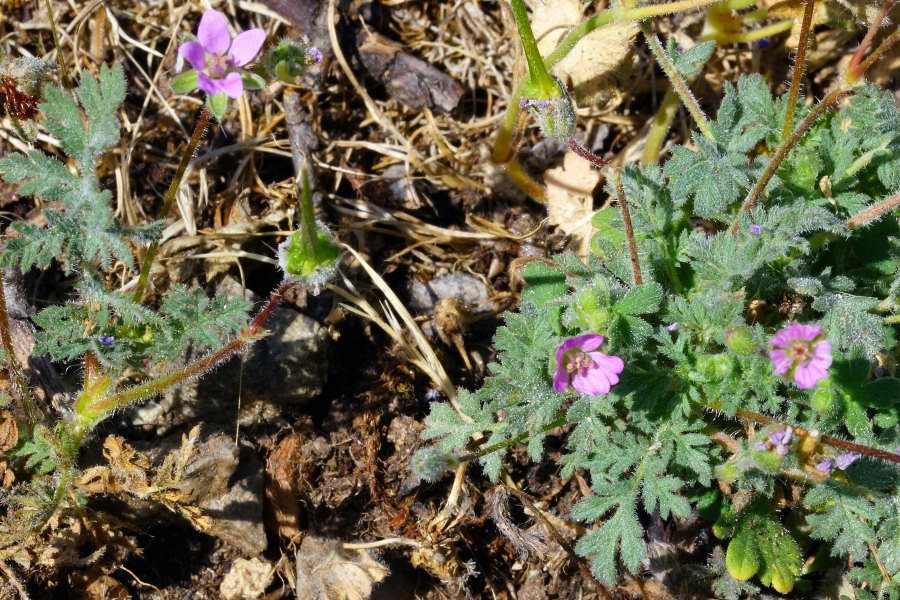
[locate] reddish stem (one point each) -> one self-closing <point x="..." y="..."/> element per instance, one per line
<point x="854" y="70"/>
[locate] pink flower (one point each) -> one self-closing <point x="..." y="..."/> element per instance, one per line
<point x="217" y="57"/>
<point x="801" y="352"/>
<point x="580" y="366"/>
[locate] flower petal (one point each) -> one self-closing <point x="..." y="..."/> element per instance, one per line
<point x="560" y="379"/>
<point x="231" y="84"/>
<point x="246" y="46"/>
<point x="213" y="32"/>
<point x="589" y="342"/>
<point x="206" y="84"/>
<point x="610" y="364"/>
<point x="806" y="375"/>
<point x="194" y="53"/>
<point x="594" y="382"/>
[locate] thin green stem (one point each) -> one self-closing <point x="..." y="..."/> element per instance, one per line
<point x="19" y="385"/>
<point x="660" y="127"/>
<point x="538" y="75"/>
<point x="680" y="87"/>
<point x="308" y="231"/>
<point x="59" y="55"/>
<point x="753" y="36"/>
<point x="515" y="440"/>
<point x="169" y="198"/>
<point x="827" y="102"/>
<point x="799" y="67"/>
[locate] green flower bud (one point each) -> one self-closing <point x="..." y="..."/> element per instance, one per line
<point x="715" y="366"/>
<point x="311" y="259"/>
<point x="555" y="114"/>
<point x="288" y="59"/>
<point x="740" y="340"/>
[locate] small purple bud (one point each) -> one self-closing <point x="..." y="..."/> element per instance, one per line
<point x="755" y="229"/>
<point x="672" y="327"/>
<point x="781" y="439"/>
<point x="761" y="446"/>
<point x="315" y="54"/>
<point x="826" y="466"/>
<point x="106" y="340"/>
<point x="845" y="460"/>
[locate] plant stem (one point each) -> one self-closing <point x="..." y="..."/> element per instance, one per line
<point x="799" y="67"/>
<point x="629" y="230"/>
<point x="885" y="46"/>
<point x="538" y="75"/>
<point x="660" y="127"/>
<point x="854" y="68"/>
<point x="169" y="198"/>
<point x="873" y="212"/>
<point x="155" y="386"/>
<point x="505" y="444"/>
<point x="16" y="375"/>
<point x="679" y="85"/>
<point x="586" y="154"/>
<point x="59" y="56"/>
<point x="825" y="439"/>
<point x="827" y="102"/>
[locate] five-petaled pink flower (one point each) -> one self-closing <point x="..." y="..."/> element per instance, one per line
<point x="579" y="365"/>
<point x="217" y="57"/>
<point x="801" y="353"/>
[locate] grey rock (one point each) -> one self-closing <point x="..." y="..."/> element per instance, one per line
<point x="467" y="289"/>
<point x="287" y="367"/>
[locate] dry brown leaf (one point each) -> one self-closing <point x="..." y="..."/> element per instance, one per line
<point x="9" y="431"/>
<point x="570" y="200"/>
<point x="325" y="571"/>
<point x="597" y="62"/>
<point x="281" y="488"/>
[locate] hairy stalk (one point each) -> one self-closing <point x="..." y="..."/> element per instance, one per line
<point x="197" y="367"/>
<point x="538" y="75"/>
<point x="680" y="86"/>
<point x="883" y="49"/>
<point x="59" y="55"/>
<point x="854" y="68"/>
<point x="169" y="198"/>
<point x="506" y="444"/>
<point x="825" y="439"/>
<point x="827" y="102"/>
<point x="586" y="154"/>
<point x="629" y="230"/>
<point x="799" y="67"/>
<point x="19" y="385"/>
<point x="873" y="212"/>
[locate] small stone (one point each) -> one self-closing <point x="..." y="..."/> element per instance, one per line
<point x="247" y="579"/>
<point x="469" y="290"/>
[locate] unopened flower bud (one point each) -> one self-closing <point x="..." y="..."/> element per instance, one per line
<point x="310" y="259"/>
<point x="288" y="59"/>
<point x="740" y="340"/>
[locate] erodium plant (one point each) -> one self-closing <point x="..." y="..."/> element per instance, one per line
<point x="729" y="348"/>
<point x="113" y="333"/>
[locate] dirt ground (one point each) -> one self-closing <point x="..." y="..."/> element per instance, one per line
<point x="399" y="118"/>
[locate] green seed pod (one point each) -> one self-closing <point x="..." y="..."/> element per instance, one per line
<point x="740" y="340"/>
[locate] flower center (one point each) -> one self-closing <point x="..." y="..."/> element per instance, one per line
<point x="798" y="350"/>
<point x="578" y="362"/>
<point x="217" y="65"/>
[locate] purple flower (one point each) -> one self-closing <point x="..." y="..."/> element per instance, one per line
<point x="845" y="460"/>
<point x="315" y="54"/>
<point x="825" y="466"/>
<point x="755" y="229"/>
<point x="217" y="57"/>
<point x="672" y="327"/>
<point x="580" y="366"/>
<point x="781" y="440"/>
<point x="800" y="352"/>
<point x="106" y="340"/>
